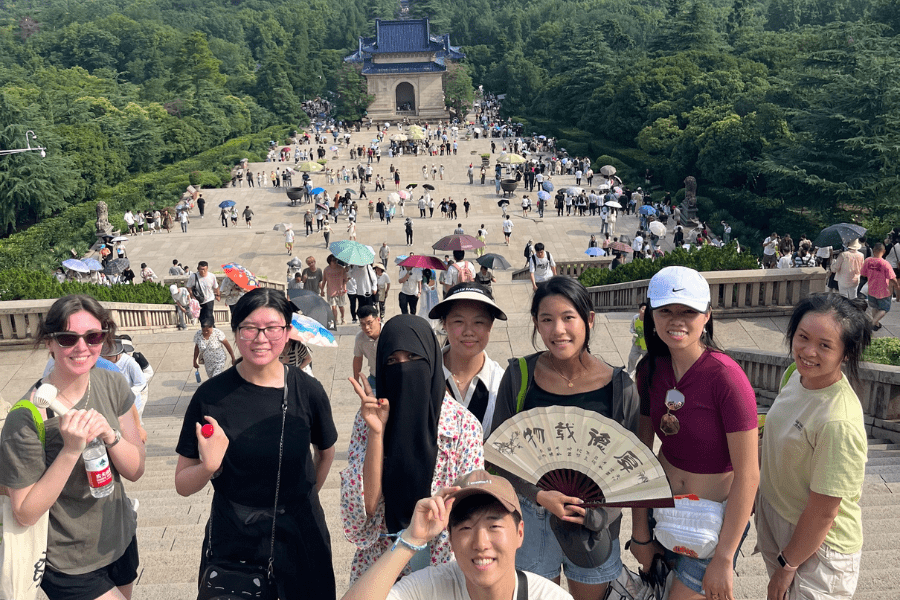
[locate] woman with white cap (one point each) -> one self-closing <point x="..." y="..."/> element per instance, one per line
<point x="699" y="403"/>
<point x="467" y="314"/>
<point x="846" y="268"/>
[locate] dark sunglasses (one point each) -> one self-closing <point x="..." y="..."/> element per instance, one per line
<point x="669" y="424"/>
<point x="67" y="339"/>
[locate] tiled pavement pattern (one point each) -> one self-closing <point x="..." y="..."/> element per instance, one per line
<point x="170" y="527"/>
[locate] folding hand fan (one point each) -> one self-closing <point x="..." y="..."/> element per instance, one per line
<point x="582" y="454"/>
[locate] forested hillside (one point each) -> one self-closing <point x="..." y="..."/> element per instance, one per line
<point x="778" y="107"/>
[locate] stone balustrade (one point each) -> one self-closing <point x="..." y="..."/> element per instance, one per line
<point x="878" y="388"/>
<point x="754" y="292"/>
<point x="19" y="319"/>
<point x="571" y="268"/>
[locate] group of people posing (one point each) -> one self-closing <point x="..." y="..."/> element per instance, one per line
<point x="426" y="519"/>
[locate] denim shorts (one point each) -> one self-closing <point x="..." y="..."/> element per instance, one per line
<point x="880" y="303"/>
<point x="540" y="552"/>
<point x="690" y="571"/>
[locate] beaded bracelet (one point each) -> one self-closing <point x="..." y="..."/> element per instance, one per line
<point x="400" y="540"/>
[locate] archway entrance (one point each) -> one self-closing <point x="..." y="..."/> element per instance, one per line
<point x="406" y="98"/>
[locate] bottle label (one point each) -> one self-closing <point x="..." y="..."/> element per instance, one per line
<point x="98" y="471"/>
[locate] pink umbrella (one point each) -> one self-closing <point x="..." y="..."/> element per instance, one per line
<point x="458" y="242"/>
<point x="403" y="194"/>
<point x="424" y="262"/>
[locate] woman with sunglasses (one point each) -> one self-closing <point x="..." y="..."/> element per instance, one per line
<point x="264" y="416"/>
<point x="700" y="404"/>
<point x="566" y="374"/>
<point x="808" y="518"/>
<point x="91" y="546"/>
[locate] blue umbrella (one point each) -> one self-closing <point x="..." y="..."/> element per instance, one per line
<point x="544" y="195"/>
<point x="76" y="265"/>
<point x="400" y="259"/>
<point x="317" y="191"/>
<point x="226" y="204"/>
<point x="310" y="332"/>
<point x="93" y="264"/>
<point x="595" y="252"/>
<point x="647" y="210"/>
<point x="352" y="252"/>
<point x="548" y="186"/>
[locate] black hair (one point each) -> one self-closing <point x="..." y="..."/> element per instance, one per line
<point x="174" y="261"/>
<point x="260" y="298"/>
<point x="459" y="255"/>
<point x="539" y="246"/>
<point x="57" y="318"/>
<point x="573" y="291"/>
<point x="643" y="305"/>
<point x="474" y="506"/>
<point x="364" y="312"/>
<point x="202" y="263"/>
<point x="208" y="322"/>
<point x="856" y="327"/>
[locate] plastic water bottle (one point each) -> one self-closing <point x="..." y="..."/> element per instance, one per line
<point x="99" y="473"/>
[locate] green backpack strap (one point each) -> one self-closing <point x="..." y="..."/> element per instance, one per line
<point x="787" y="375"/>
<point x="520" y="399"/>
<point x="36" y="415"/>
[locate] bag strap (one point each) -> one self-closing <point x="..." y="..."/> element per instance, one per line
<point x="787" y="375"/>
<point x="523" y="586"/>
<point x="36" y="416"/>
<point x="270" y="571"/>
<point x="520" y="399"/>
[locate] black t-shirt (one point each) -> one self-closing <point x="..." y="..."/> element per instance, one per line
<point x="598" y="401"/>
<point x="251" y="417"/>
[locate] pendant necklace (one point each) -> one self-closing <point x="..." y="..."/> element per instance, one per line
<point x="568" y="381"/>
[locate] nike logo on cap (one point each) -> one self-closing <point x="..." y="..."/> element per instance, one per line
<point x="678" y="290"/>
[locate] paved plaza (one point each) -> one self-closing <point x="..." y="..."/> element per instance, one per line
<point x="170" y="527"/>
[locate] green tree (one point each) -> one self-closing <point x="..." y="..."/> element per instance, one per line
<point x="459" y="94"/>
<point x="196" y="65"/>
<point x="352" y="97"/>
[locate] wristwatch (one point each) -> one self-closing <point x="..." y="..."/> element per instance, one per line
<point x="784" y="563"/>
<point x="117" y="440"/>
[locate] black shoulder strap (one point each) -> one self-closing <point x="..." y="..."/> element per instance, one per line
<point x="523" y="586"/>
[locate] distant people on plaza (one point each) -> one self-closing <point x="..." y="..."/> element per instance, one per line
<point x="210" y="348"/>
<point x="485" y="277"/>
<point x="206" y="284"/>
<point x="182" y="299"/>
<point x="365" y="343"/>
<point x="813" y="456"/>
<point x="541" y="266"/>
<point x="258" y="407"/>
<point x="881" y="281"/>
<point x="335" y="284"/>
<point x="467" y="314"/>
<point x="230" y="293"/>
<point x="460" y="271"/>
<point x="147" y="273"/>
<point x="410" y="280"/>
<point x="846" y="268"/>
<point x="175" y="269"/>
<point x="383" y="287"/>
<point x="566" y="374"/>
<point x="700" y="405"/>
<point x="312" y="277"/>
<point x="402" y="447"/>
<point x="770" y="249"/>
<point x="91" y="542"/>
<point x="638" y="341"/>
<point x="507" y="228"/>
<point x="248" y="216"/>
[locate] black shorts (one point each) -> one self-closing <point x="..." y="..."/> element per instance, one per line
<point x="59" y="586"/>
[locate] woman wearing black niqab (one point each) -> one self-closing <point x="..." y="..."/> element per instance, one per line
<point x="406" y="445"/>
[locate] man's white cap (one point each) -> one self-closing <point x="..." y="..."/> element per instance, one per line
<point x="679" y="285"/>
<point x="173" y="289"/>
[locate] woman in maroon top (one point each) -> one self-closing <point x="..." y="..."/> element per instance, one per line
<point x="700" y="404"/>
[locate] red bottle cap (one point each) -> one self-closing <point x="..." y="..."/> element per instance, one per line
<point x="207" y="430"/>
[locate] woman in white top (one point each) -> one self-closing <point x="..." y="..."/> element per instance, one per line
<point x="467" y="314"/>
<point x="846" y="268"/>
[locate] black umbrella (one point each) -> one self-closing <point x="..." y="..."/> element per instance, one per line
<point x="502" y="202"/>
<point x="493" y="261"/>
<point x="427" y="186"/>
<point x="312" y="305"/>
<point x="410" y="186"/>
<point x="840" y="234"/>
<point x="116" y="266"/>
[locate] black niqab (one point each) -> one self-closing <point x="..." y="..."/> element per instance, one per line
<point x="415" y="390"/>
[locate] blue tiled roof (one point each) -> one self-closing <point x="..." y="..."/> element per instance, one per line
<point x="371" y="68"/>
<point x="409" y="36"/>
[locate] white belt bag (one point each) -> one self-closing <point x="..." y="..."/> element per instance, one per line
<point x="692" y="527"/>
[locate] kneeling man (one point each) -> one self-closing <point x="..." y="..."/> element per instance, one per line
<point x="484" y="518"/>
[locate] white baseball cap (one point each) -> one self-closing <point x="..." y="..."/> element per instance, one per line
<point x="679" y="285"/>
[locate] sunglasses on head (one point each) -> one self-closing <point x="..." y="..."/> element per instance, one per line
<point x="669" y="424"/>
<point x="67" y="339"/>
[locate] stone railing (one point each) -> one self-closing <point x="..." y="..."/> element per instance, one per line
<point x="878" y="388"/>
<point x="572" y="268"/>
<point x="754" y="292"/>
<point x="19" y="319"/>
